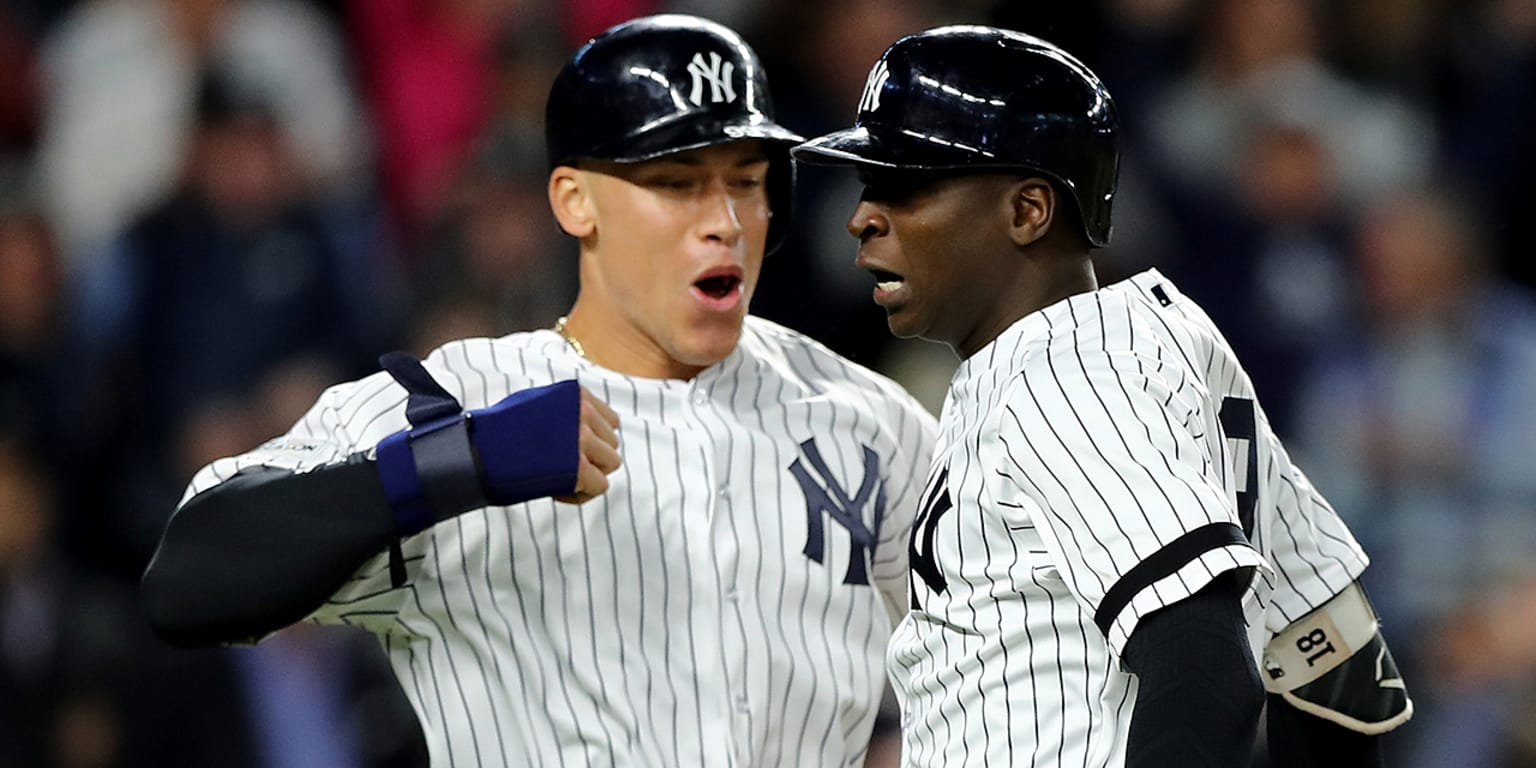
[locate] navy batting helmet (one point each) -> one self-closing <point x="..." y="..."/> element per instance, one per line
<point x="663" y="84"/>
<point x="983" y="98"/>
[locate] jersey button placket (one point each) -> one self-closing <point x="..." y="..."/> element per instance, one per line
<point x="743" y="730"/>
<point x="726" y="570"/>
<point x="726" y="565"/>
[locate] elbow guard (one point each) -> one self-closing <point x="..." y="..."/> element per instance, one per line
<point x="1333" y="663"/>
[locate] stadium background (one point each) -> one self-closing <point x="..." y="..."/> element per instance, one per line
<point x="209" y="209"/>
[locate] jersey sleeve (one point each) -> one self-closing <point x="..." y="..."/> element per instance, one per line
<point x="347" y="419"/>
<point x="915" y="431"/>
<point x="1127" y="504"/>
<point x="1313" y="552"/>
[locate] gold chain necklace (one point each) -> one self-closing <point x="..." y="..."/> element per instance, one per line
<point x="569" y="339"/>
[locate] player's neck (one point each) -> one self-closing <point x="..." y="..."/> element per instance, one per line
<point x="604" y="339"/>
<point x="1036" y="285"/>
<point x="1063" y="277"/>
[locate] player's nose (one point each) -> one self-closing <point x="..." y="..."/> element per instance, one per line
<point x="719" y="219"/>
<point x="867" y="221"/>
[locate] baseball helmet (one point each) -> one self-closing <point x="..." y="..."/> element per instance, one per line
<point x="663" y="84"/>
<point x="971" y="97"/>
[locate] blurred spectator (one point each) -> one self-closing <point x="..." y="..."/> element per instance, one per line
<point x="82" y="685"/>
<point x="1258" y="58"/>
<point x="1139" y="48"/>
<point x="17" y="99"/>
<point x="240" y="251"/>
<point x="1257" y="161"/>
<point x="527" y="61"/>
<point x="1484" y="682"/>
<point x="36" y="17"/>
<point x="431" y="73"/>
<point x="324" y="697"/>
<point x="1271" y="255"/>
<point x="1424" y="423"/>
<point x="489" y="258"/>
<point x="1485" y="94"/>
<point x="1390" y="43"/>
<point x="31" y="304"/>
<point x="1421" y="427"/>
<point x="62" y="642"/>
<point x="119" y="85"/>
<point x="41" y="390"/>
<point x="824" y="51"/>
<point x="1252" y="156"/>
<point x="495" y="262"/>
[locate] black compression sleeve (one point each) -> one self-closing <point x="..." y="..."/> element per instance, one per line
<point x="1199" y="692"/>
<point x="1299" y="740"/>
<point x="262" y="550"/>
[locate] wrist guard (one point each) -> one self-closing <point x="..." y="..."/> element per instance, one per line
<point x="1333" y="663"/>
<point x="450" y="461"/>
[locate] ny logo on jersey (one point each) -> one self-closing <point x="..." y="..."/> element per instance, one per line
<point x="824" y="495"/>
<point x="717" y="73"/>
<point x="936" y="502"/>
<point x="870" y="101"/>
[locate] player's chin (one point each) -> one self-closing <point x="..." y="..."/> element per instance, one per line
<point x="711" y="342"/>
<point x="903" y="322"/>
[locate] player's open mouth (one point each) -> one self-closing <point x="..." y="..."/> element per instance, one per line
<point x="718" y="287"/>
<point x="887" y="281"/>
<point x="890" y="288"/>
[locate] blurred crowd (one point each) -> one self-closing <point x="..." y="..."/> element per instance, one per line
<point x="211" y="209"/>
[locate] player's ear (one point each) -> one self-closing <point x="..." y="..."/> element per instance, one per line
<point x="1032" y="202"/>
<point x="570" y="197"/>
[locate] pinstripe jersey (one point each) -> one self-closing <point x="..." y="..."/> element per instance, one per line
<point x="727" y="602"/>
<point x="1102" y="458"/>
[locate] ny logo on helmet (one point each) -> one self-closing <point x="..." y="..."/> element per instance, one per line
<point x="825" y="496"/>
<point x="717" y="73"/>
<point x="870" y="101"/>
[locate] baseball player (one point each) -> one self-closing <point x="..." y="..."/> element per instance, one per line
<point x="725" y="596"/>
<point x="1115" y="557"/>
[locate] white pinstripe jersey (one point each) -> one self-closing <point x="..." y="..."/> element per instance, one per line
<point x="711" y="609"/>
<point x="1102" y="458"/>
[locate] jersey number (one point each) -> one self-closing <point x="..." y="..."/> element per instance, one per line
<point x="1315" y="644"/>
<point x="922" y="557"/>
<point x="1238" y="423"/>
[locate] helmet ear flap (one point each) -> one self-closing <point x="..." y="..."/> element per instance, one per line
<point x="781" y="195"/>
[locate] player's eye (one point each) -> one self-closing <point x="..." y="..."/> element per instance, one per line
<point x="672" y="183"/>
<point x="748" y="183"/>
<point x="899" y="187"/>
<point x="888" y="192"/>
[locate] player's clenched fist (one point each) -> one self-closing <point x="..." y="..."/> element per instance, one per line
<point x="597" y="449"/>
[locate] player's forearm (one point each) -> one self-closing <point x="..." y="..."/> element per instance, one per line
<point x="1298" y="738"/>
<point x="263" y="550"/>
<point x="1199" y="693"/>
